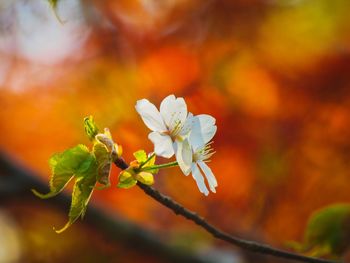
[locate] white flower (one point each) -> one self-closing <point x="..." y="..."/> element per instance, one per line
<point x="169" y="126"/>
<point x="174" y="130"/>
<point x="199" y="149"/>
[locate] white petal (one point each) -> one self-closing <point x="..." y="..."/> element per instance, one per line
<point x="183" y="154"/>
<point x="186" y="129"/>
<point x="150" y="115"/>
<point x="173" y="111"/>
<point x="198" y="177"/>
<point x="209" y="175"/>
<point x="167" y="107"/>
<point x="203" y="130"/>
<point x="163" y="145"/>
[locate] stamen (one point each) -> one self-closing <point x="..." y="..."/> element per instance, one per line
<point x="176" y="129"/>
<point x="204" y="153"/>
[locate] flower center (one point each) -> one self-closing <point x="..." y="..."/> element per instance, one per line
<point x="204" y="153"/>
<point x="174" y="131"/>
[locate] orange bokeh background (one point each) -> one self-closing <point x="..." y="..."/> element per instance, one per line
<point x="274" y="74"/>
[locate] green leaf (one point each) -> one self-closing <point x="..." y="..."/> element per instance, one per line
<point x="64" y="166"/>
<point x="145" y="178"/>
<point x="296" y="246"/>
<point x="330" y="227"/>
<point x="90" y="127"/>
<point x="140" y="156"/>
<point x="126" y="180"/>
<point x="82" y="192"/>
<point x="104" y="162"/>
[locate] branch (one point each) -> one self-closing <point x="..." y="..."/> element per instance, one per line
<point x="252" y="246"/>
<point x="16" y="180"/>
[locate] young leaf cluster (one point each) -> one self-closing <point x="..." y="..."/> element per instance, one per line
<point x="86" y="167"/>
<point x="136" y="172"/>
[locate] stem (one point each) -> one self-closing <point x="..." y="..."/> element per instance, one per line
<point x="16" y="179"/>
<point x="242" y="243"/>
<point x="160" y="166"/>
<point x="148" y="159"/>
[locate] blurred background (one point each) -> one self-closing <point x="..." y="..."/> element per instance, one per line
<point x="274" y="73"/>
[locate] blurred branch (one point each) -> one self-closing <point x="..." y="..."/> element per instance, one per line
<point x="16" y="181"/>
<point x="252" y="246"/>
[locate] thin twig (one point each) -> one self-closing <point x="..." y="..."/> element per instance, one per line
<point x="252" y="246"/>
<point x="16" y="180"/>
